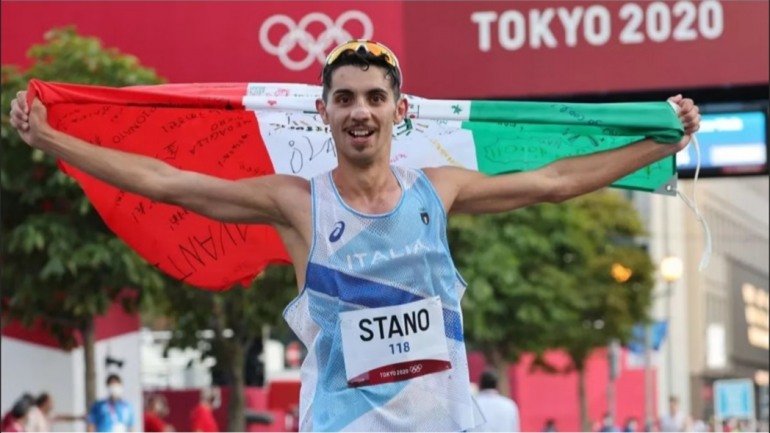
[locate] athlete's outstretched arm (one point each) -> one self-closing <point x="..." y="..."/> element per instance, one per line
<point x="254" y="200"/>
<point x="466" y="191"/>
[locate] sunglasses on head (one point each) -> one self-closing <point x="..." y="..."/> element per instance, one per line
<point x="375" y="48"/>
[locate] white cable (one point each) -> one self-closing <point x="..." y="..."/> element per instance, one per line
<point x="693" y="205"/>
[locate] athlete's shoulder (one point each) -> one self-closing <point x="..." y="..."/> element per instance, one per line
<point x="285" y="183"/>
<point x="449" y="175"/>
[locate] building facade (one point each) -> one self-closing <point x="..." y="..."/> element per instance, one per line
<point x="718" y="316"/>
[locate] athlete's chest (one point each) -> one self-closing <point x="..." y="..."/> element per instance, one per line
<point x="355" y="243"/>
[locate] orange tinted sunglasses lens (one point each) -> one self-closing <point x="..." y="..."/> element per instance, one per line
<point x="372" y="47"/>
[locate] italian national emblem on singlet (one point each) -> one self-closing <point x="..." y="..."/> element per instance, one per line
<point x="390" y="344"/>
<point x="424" y="216"/>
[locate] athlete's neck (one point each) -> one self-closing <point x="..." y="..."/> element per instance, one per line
<point x="372" y="189"/>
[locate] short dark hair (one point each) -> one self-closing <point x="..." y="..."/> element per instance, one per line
<point x="28" y="398"/>
<point x="364" y="60"/>
<point x="21" y="407"/>
<point x="488" y="380"/>
<point x="113" y="378"/>
<point x="42" y="399"/>
<point x="152" y="398"/>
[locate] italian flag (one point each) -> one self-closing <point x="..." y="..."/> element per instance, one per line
<point x="239" y="130"/>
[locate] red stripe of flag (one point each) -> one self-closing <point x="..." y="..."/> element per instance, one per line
<point x="202" y="128"/>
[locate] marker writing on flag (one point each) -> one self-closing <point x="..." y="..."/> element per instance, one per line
<point x="231" y="151"/>
<point x="119" y="197"/>
<point x="141" y="208"/>
<point x="397" y="158"/>
<point x="539" y="148"/>
<point x="117" y="116"/>
<point x="188" y="117"/>
<point x="135" y="126"/>
<point x="221" y="129"/>
<point x="576" y="114"/>
<point x="582" y="118"/>
<point x="294" y="126"/>
<point x="65" y="120"/>
<point x="169" y="152"/>
<point x="312" y="149"/>
<point x="255" y="171"/>
<point x="445" y="153"/>
<point x="101" y="111"/>
<point x="177" y="218"/>
<point x="190" y="252"/>
<point x="507" y="152"/>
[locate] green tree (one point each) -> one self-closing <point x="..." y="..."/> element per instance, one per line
<point x="612" y="301"/>
<point x="236" y="317"/>
<point x="61" y="265"/>
<point x="519" y="267"/>
<point x="540" y="278"/>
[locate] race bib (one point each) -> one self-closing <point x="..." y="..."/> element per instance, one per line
<point x="119" y="427"/>
<point x="390" y="344"/>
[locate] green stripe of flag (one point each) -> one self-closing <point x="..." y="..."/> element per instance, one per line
<point x="518" y="136"/>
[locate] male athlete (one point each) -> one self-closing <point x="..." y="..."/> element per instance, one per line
<point x="379" y="303"/>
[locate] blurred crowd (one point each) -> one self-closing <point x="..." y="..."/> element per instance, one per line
<point x="113" y="413"/>
<point x="33" y="414"/>
<point x="36" y="414"/>
<point x="501" y="414"/>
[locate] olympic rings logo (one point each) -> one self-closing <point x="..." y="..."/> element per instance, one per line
<point x="314" y="47"/>
<point x="414" y="369"/>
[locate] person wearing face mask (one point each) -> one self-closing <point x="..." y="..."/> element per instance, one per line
<point x="202" y="416"/>
<point x="112" y="414"/>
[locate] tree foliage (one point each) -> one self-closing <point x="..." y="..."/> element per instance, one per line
<point x="61" y="264"/>
<point x="520" y="269"/>
<point x="541" y="278"/>
<point x="610" y="306"/>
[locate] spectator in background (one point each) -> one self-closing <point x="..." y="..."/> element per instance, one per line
<point x="728" y="426"/>
<point x="202" y="416"/>
<point x="675" y="420"/>
<point x="631" y="425"/>
<point x="38" y="418"/>
<point x="699" y="426"/>
<point x="608" y="425"/>
<point x="500" y="412"/>
<point x="154" y="412"/>
<point x="112" y="414"/>
<point x="16" y="418"/>
<point x="550" y="425"/>
<point x="41" y="416"/>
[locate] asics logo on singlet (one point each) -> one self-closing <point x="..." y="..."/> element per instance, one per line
<point x="336" y="234"/>
<point x="361" y="260"/>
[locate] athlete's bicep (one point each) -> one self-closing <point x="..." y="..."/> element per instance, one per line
<point x="258" y="200"/>
<point x="467" y="191"/>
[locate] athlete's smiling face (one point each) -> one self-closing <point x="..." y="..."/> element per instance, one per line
<point x="361" y="110"/>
